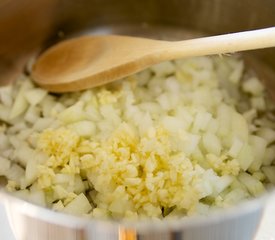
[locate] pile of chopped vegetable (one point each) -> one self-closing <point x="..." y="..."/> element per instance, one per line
<point x="181" y="138"/>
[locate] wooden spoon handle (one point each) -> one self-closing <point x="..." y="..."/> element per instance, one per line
<point x="221" y="44"/>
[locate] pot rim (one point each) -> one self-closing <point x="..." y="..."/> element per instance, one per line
<point x="14" y="204"/>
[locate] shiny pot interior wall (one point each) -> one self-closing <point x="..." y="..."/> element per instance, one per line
<point x="213" y="16"/>
<point x="28" y="25"/>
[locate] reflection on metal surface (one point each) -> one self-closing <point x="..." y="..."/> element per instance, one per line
<point x="24" y="26"/>
<point x="127" y="234"/>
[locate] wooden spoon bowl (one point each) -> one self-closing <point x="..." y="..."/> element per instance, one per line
<point x="91" y="61"/>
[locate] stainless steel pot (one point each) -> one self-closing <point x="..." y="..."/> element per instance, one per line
<point x="29" y="26"/>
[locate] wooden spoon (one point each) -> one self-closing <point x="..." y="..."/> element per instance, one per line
<point x="91" y="61"/>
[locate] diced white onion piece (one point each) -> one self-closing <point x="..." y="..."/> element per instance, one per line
<point x="109" y="112"/>
<point x="32" y="114"/>
<point x="239" y="126"/>
<point x="269" y="156"/>
<point x="60" y="192"/>
<point x="4" y="141"/>
<point x="258" y="103"/>
<point x="213" y="126"/>
<point x="58" y="206"/>
<point x="270" y="173"/>
<point x="4" y="113"/>
<point x="5" y="165"/>
<point x="47" y="105"/>
<point x="42" y="123"/>
<point x="147" y="123"/>
<point x="37" y="197"/>
<point x="245" y="157"/>
<point x="259" y="175"/>
<point x="258" y="145"/>
<point x="24" y="153"/>
<point x="164" y="101"/>
<point x="8" y="154"/>
<point x="6" y="95"/>
<point x="15" y="142"/>
<point x="25" y="134"/>
<point x="72" y="114"/>
<point x="235" y="196"/>
<point x="235" y="148"/>
<point x="253" y="185"/>
<point x="267" y="133"/>
<point x="83" y="128"/>
<point x="20" y="104"/>
<point x="190" y="144"/>
<point x="80" y="205"/>
<point x="201" y="121"/>
<point x="31" y="172"/>
<point x="253" y="86"/>
<point x="250" y="115"/>
<point x="224" y="117"/>
<point x="236" y="75"/>
<point x="163" y="69"/>
<point x="35" y="95"/>
<point x="173" y="124"/>
<point x="171" y="84"/>
<point x="185" y="116"/>
<point x="15" y="173"/>
<point x="222" y="183"/>
<point x="204" y="188"/>
<point x="211" y="143"/>
<point x="61" y="178"/>
<point x="79" y="186"/>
